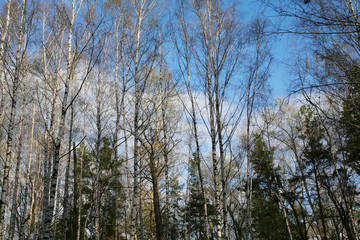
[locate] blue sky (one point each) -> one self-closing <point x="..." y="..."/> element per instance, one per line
<point x="282" y="52"/>
<point x="282" y="47"/>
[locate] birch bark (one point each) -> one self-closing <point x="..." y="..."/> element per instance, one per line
<point x="15" y="192"/>
<point x="4" y="199"/>
<point x="4" y="30"/>
<point x="61" y="131"/>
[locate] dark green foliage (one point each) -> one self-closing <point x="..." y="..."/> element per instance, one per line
<point x="328" y="179"/>
<point x="350" y="119"/>
<point x="110" y="191"/>
<point x="194" y="209"/>
<point x="268" y="220"/>
<point x="175" y="208"/>
<point x="195" y="206"/>
<point x="316" y="162"/>
<point x="317" y="154"/>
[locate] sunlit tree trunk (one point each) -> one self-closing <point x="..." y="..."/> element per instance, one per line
<point x="222" y="161"/>
<point x="166" y="166"/>
<point x="16" y="80"/>
<point x="53" y="83"/>
<point x="134" y="208"/>
<point x="61" y="130"/>
<point x="29" y="166"/>
<point x="66" y="206"/>
<point x="138" y="8"/>
<point x="79" y="169"/>
<point x="15" y="192"/>
<point x="4" y="30"/>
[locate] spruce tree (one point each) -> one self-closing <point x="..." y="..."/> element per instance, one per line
<point x="268" y="220"/>
<point x="350" y="118"/>
<point x="195" y="206"/>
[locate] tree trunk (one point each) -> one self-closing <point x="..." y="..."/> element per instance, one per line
<point x="29" y="207"/>
<point x="4" y="199"/>
<point x="128" y="191"/>
<point x="163" y="101"/>
<point x="215" y="169"/>
<point x="2" y="52"/>
<point x="58" y="141"/>
<point x="156" y="196"/>
<point x="67" y="175"/>
<point x="50" y="133"/>
<point x="78" y="204"/>
<point x="222" y="158"/>
<point x="134" y="208"/>
<point x="17" y="173"/>
<point x="76" y="195"/>
<point x="184" y="35"/>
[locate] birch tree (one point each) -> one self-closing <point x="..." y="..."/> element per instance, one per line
<point x="16" y="78"/>
<point x="4" y="34"/>
<point x="183" y="48"/>
<point x="142" y="26"/>
<point x="254" y="94"/>
<point x="72" y="56"/>
<point x="216" y="47"/>
<point x="18" y="168"/>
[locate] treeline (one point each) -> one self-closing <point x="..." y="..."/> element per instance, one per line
<point x="152" y="119"/>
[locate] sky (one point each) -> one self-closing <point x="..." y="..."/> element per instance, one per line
<point x="282" y="48"/>
<point x="280" y="79"/>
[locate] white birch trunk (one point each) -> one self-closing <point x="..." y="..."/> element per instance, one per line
<point x="4" y="199"/>
<point x="4" y="30"/>
<point x="17" y="173"/>
<point x="67" y="175"/>
<point x="29" y="207"/>
<point x="50" y="132"/>
<point x="136" y="200"/>
<point x="61" y="130"/>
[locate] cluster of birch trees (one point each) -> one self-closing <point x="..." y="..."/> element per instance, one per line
<point x="153" y="119"/>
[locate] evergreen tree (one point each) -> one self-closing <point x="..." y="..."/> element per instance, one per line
<point x="331" y="185"/>
<point x="175" y="208"/>
<point x="268" y="220"/>
<point x="195" y="206"/>
<point x="110" y="190"/>
<point x="350" y="118"/>
<point x="316" y="157"/>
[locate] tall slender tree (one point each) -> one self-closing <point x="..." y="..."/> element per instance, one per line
<point x="16" y="78"/>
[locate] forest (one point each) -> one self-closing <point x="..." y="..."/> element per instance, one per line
<point x="163" y="119"/>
